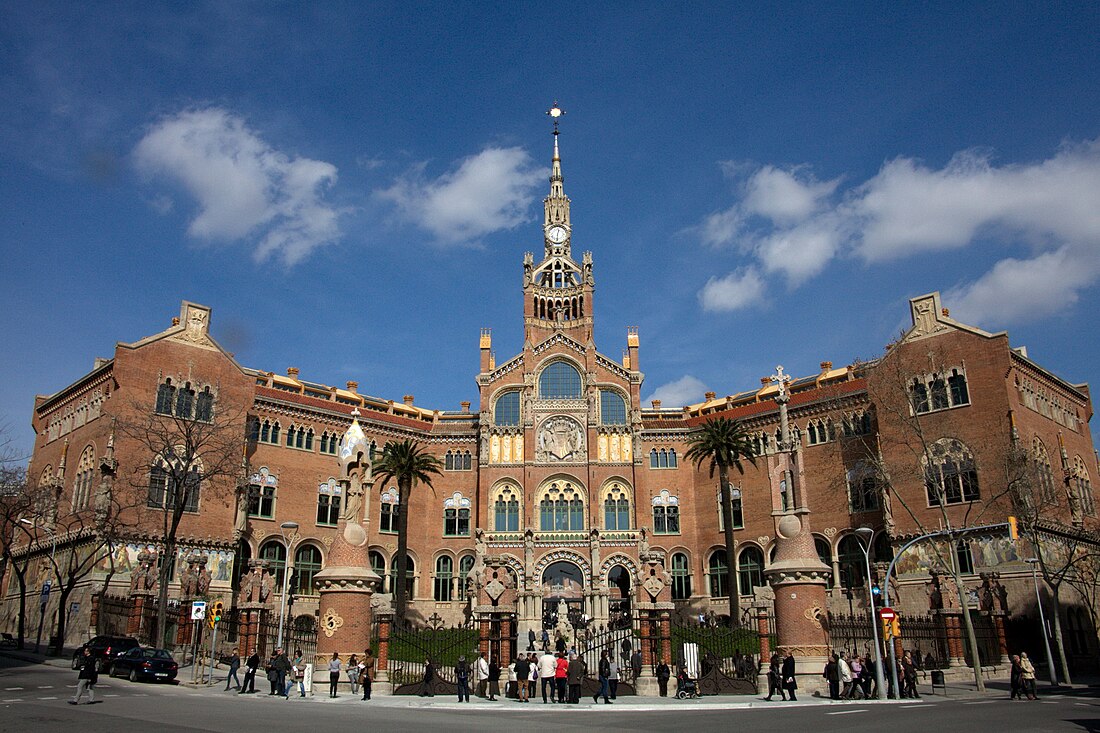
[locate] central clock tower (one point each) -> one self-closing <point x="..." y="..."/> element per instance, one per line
<point x="557" y="291"/>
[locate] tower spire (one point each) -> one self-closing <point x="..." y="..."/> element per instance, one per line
<point x="555" y="113"/>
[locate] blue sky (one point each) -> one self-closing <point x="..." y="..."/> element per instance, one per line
<point x="351" y="186"/>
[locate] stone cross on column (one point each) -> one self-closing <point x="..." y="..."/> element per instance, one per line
<point x="782" y="397"/>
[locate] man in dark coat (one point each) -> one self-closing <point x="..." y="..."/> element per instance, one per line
<point x="251" y="666"/>
<point x="427" y="686"/>
<point x="575" y="678"/>
<point x="605" y="676"/>
<point x="85" y="681"/>
<point x="234" y="665"/>
<point x="775" y="677"/>
<point x="281" y="665"/>
<point x="663" y="675"/>
<point x="788" y="676"/>
<point x="636" y="664"/>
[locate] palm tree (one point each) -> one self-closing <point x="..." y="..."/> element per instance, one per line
<point x="408" y="464"/>
<point x="724" y="443"/>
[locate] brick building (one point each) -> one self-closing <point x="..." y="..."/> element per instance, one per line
<point x="563" y="472"/>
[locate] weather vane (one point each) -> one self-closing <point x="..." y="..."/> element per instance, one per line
<point x="555" y="112"/>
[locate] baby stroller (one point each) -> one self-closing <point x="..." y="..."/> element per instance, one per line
<point x="686" y="688"/>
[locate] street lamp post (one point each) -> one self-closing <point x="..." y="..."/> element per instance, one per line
<point x="1034" y="562"/>
<point x="47" y="587"/>
<point x="286" y="577"/>
<point x="880" y="679"/>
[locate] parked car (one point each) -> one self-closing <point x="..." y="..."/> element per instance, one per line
<point x="104" y="649"/>
<point x="145" y="664"/>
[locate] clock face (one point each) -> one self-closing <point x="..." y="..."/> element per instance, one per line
<point x="556" y="234"/>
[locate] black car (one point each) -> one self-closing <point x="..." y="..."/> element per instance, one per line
<point x="145" y="664"/>
<point x="104" y="649"/>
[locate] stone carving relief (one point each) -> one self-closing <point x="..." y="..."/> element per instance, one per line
<point x="330" y="622"/>
<point x="560" y="438"/>
<point x="143" y="578"/>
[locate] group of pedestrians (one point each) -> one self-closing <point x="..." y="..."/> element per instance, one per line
<point x="781" y="677"/>
<point x="851" y="677"/>
<point x="359" y="670"/>
<point x="1022" y="679"/>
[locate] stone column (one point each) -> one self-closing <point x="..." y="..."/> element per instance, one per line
<point x="665" y="629"/>
<point x="382" y="653"/>
<point x="952" y="626"/>
<point x="645" y="621"/>
<point x="346" y="585"/>
<point x="1002" y="637"/>
<point x="798" y="578"/>
<point x="507" y="653"/>
<point x="763" y="630"/>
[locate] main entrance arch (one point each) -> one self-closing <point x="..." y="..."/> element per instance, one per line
<point x="562" y="582"/>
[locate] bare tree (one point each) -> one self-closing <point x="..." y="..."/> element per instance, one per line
<point x="17" y="502"/>
<point x="178" y="454"/>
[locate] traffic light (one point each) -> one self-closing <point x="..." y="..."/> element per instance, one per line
<point x="216" y="610"/>
<point x="1013" y="529"/>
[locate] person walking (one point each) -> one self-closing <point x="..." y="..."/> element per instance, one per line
<point x="1015" y="679"/>
<point x="636" y="665"/>
<point x="366" y="672"/>
<point x="844" y="673"/>
<point x="510" y="684"/>
<point x="548" y="665"/>
<point x="523" y="677"/>
<point x="297" y="674"/>
<point x="909" y="686"/>
<point x="664" y="673"/>
<point x="481" y="669"/>
<point x="334" y="665"/>
<point x="789" y="681"/>
<point x="493" y="676"/>
<point x="604" y="671"/>
<point x="1027" y="676"/>
<point x="234" y="665"/>
<point x="86" y="679"/>
<point x="575" y="678"/>
<point x="613" y="679"/>
<point x="775" y="685"/>
<point x="545" y="640"/>
<point x="532" y="675"/>
<point x="462" y="678"/>
<point x="250" y="667"/>
<point x="832" y="676"/>
<point x="281" y="665"/>
<point x="561" y="677"/>
<point x="353" y="674"/>
<point x="427" y="685"/>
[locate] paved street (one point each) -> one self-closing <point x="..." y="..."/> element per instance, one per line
<point x="33" y="698"/>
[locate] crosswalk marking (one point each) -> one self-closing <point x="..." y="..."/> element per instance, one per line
<point x="846" y="712"/>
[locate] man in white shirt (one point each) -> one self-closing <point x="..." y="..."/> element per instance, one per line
<point x="481" y="669"/>
<point x="845" y="673"/>
<point x="547" y="666"/>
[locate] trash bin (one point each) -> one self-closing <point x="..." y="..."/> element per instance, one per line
<point x="938" y="681"/>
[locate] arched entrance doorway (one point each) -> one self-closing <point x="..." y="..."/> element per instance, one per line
<point x="618" y="583"/>
<point x="562" y="590"/>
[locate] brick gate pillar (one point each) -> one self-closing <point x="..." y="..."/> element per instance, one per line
<point x="665" y="630"/>
<point x="345" y="585"/>
<point x="763" y="630"/>
<point x="1002" y="636"/>
<point x="137" y="614"/>
<point x="951" y="623"/>
<point x="382" y="653"/>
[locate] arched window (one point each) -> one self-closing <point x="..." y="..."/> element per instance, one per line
<point x="666" y="513"/>
<point x="85" y="470"/>
<point x="1043" y="473"/>
<point x="444" y="578"/>
<point x="965" y="557"/>
<point x="185" y="401"/>
<point x="717" y="567"/>
<point x="388" y="508"/>
<point x="957" y="384"/>
<point x="616" y="508"/>
<point x="204" y="405"/>
<point x="307" y="563"/>
<point x="851" y="562"/>
<point x="863" y="488"/>
<point x="826" y="556"/>
<point x="456" y="516"/>
<point x="612" y="408"/>
<point x="328" y="503"/>
<point x="165" y="491"/>
<point x="750" y="570"/>
<point x="950" y="474"/>
<point x="378" y="565"/>
<point x="166" y="397"/>
<point x="560" y="381"/>
<point x="1083" y="486"/>
<point x="275" y="553"/>
<point x="939" y="393"/>
<point x="506" y="409"/>
<point x="506" y="511"/>
<point x="561" y="508"/>
<point x="261" y="493"/>
<point x="465" y="565"/>
<point x="410" y="575"/>
<point x="681" y="577"/>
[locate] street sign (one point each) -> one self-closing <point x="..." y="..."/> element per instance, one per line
<point x="44" y="598"/>
<point x="198" y="610"/>
<point x="887" y="614"/>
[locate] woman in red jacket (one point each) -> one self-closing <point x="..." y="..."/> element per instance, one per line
<point x="561" y="672"/>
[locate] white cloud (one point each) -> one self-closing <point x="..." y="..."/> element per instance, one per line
<point x="684" y="391"/>
<point x="739" y="289"/>
<point x="488" y="192"/>
<point x="244" y="188"/>
<point x="1050" y="207"/>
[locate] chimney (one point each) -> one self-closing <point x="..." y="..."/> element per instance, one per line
<point x="946" y="313"/>
<point x="708" y="396"/>
<point x="465" y="406"/>
<point x="352" y="387"/>
<point x="292" y="372"/>
<point x="408" y="399"/>
<point x="175" y="320"/>
<point x="656" y="404"/>
<point x="826" y="366"/>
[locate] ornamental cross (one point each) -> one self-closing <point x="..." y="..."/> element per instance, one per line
<point x="782" y="380"/>
<point x="555" y="112"/>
